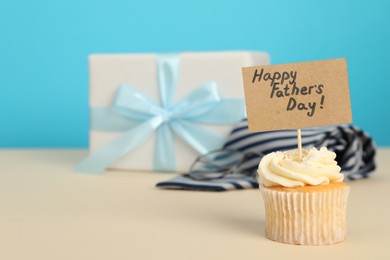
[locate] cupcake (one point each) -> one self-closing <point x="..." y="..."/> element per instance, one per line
<point x="305" y="199"/>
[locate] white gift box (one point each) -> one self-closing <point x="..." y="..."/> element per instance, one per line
<point x="108" y="71"/>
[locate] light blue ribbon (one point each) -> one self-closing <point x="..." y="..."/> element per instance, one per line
<point x="138" y="117"/>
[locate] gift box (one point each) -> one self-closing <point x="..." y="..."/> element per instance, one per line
<point x="158" y="112"/>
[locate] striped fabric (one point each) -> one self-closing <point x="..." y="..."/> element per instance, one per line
<point x="354" y="148"/>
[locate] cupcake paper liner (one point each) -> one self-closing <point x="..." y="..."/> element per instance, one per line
<point x="306" y="218"/>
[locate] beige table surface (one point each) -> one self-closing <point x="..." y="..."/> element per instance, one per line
<point x="49" y="212"/>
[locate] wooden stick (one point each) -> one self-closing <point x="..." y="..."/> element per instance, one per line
<point x="299" y="143"/>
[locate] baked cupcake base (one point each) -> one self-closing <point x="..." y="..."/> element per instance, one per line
<point x="308" y="215"/>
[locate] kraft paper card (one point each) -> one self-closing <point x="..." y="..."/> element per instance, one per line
<point x="297" y="95"/>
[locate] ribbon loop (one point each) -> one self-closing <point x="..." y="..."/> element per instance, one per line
<point x="131" y="103"/>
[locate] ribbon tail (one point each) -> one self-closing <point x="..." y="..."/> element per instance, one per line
<point x="200" y="138"/>
<point x="100" y="160"/>
<point x="164" y="153"/>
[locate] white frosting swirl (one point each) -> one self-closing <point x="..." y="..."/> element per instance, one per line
<point x="285" y="169"/>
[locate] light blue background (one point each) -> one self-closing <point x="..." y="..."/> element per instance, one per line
<point x="44" y="46"/>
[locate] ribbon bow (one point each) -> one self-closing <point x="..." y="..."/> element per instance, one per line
<point x="139" y="117"/>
